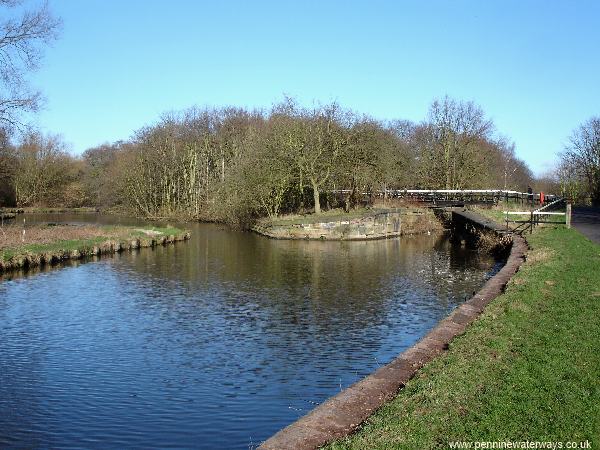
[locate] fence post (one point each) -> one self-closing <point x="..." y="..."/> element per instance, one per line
<point x="531" y="229"/>
<point x="568" y="216"/>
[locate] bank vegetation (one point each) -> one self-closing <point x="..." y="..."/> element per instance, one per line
<point x="39" y="245"/>
<point x="526" y="370"/>
<point x="235" y="165"/>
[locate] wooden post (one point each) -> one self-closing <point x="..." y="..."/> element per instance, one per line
<point x="531" y="229"/>
<point x="568" y="216"/>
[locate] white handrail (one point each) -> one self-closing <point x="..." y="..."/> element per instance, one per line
<point x="451" y="191"/>
<point x="550" y="204"/>
<point x="536" y="213"/>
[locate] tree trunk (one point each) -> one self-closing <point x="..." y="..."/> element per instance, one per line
<point x="447" y="160"/>
<point x="301" y="185"/>
<point x="316" y="197"/>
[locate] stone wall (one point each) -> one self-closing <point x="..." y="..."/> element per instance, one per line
<point x="379" y="225"/>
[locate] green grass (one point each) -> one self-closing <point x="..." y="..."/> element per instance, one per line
<point x="125" y="233"/>
<point x="64" y="245"/>
<point x="46" y="210"/>
<point x="136" y="232"/>
<point x="528" y="369"/>
<point x="499" y="216"/>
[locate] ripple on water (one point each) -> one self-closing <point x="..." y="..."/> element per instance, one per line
<point x="216" y="343"/>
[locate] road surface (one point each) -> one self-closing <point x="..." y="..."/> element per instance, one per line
<point x="587" y="222"/>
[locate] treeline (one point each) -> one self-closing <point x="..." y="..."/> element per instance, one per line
<point x="234" y="164"/>
<point x="579" y="170"/>
<point x="40" y="172"/>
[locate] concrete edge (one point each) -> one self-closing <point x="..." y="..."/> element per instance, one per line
<point x="343" y="413"/>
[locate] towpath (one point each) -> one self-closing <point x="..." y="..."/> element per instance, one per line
<point x="587" y="222"/>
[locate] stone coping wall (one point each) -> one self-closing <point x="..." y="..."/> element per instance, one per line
<point x="32" y="260"/>
<point x="379" y="225"/>
<point x="343" y="413"/>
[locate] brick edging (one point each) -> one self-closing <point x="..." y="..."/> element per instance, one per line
<point x="338" y="416"/>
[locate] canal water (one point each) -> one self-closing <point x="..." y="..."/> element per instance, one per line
<point x="213" y="343"/>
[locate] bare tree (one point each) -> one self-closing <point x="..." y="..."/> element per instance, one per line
<point x="43" y="170"/>
<point x="23" y="36"/>
<point x="7" y="170"/>
<point x="547" y="182"/>
<point x="235" y="165"/>
<point x="457" y="129"/>
<point x="583" y="155"/>
<point x="572" y="184"/>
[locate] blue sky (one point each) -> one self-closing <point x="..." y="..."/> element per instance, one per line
<point x="533" y="66"/>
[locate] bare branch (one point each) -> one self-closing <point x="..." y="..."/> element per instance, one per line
<point x="22" y="40"/>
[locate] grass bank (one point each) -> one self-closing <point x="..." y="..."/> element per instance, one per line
<point x="499" y="216"/>
<point x="44" y="244"/>
<point x="526" y="370"/>
<point x="51" y="210"/>
<point x="496" y="213"/>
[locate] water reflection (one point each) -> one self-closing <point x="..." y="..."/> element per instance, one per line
<point x="217" y="342"/>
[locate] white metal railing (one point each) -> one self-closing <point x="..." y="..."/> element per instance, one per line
<point x="496" y="192"/>
<point x="550" y="204"/>
<point x="535" y="215"/>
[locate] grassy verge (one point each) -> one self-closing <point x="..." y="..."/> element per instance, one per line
<point x="527" y="370"/>
<point x="60" y="241"/>
<point x="60" y="210"/>
<point x="48" y="210"/>
<point x="499" y="216"/>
